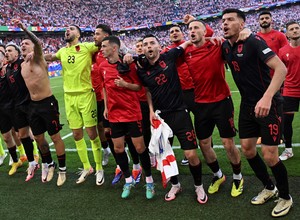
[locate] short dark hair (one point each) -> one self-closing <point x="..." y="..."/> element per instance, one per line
<point x="150" y="35"/>
<point x="105" y="28"/>
<point x="176" y="25"/>
<point x="239" y="13"/>
<point x="2" y="45"/>
<point x="78" y="28"/>
<point x="265" y="12"/>
<point x="112" y="39"/>
<point x="139" y="40"/>
<point x="11" y="44"/>
<point x="197" y="21"/>
<point x="290" y="23"/>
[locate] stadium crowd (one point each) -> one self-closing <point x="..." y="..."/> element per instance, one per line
<point x="32" y="16"/>
<point x="122" y="13"/>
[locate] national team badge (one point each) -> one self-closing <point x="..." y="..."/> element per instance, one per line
<point x="77" y="48"/>
<point x="16" y="67"/>
<point x="162" y="64"/>
<point x="240" y="48"/>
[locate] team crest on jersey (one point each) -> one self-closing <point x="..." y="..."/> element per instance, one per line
<point x="77" y="48"/>
<point x="16" y="66"/>
<point x="239" y="50"/>
<point x="162" y="64"/>
<point x="148" y="73"/>
<point x="226" y="50"/>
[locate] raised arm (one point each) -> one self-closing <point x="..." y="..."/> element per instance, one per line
<point x="38" y="50"/>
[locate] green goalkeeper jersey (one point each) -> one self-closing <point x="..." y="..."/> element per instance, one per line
<point x="76" y="66"/>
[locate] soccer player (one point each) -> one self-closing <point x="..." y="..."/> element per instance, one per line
<point x="145" y="108"/>
<point x="101" y="31"/>
<point x="158" y="74"/>
<point x="261" y="107"/>
<point x="214" y="105"/>
<point x="21" y="98"/>
<point x="290" y="55"/>
<point x="274" y="39"/>
<point x="186" y="81"/>
<point x="6" y="119"/>
<point x="124" y="116"/>
<point x="139" y="47"/>
<point x="80" y="100"/>
<point x="44" y="115"/>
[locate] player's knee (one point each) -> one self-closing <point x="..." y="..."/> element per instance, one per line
<point x="140" y="148"/>
<point x="118" y="149"/>
<point x="248" y="152"/>
<point x="7" y="137"/>
<point x="270" y="159"/>
<point x="228" y="143"/>
<point x="205" y="143"/>
<point x="192" y="157"/>
<point x="56" y="138"/>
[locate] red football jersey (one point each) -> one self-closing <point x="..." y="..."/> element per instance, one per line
<point x="185" y="78"/>
<point x="274" y="39"/>
<point x="97" y="82"/>
<point x="290" y="56"/>
<point x="142" y="95"/>
<point x="123" y="104"/>
<point x="206" y="66"/>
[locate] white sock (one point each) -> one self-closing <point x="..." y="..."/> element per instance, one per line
<point x="45" y="164"/>
<point x="237" y="176"/>
<point x="176" y="185"/>
<point x="128" y="180"/>
<point x="149" y="179"/>
<point x="49" y="164"/>
<point x="107" y="150"/>
<point x="136" y="166"/>
<point x="32" y="163"/>
<point x="219" y="174"/>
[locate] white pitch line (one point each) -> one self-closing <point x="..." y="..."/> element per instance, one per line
<point x="64" y="137"/>
<point x="174" y="147"/>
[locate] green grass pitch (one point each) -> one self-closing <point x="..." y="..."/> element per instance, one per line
<point x="37" y="200"/>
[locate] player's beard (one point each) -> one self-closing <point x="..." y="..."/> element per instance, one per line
<point x="68" y="40"/>
<point x="265" y="25"/>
